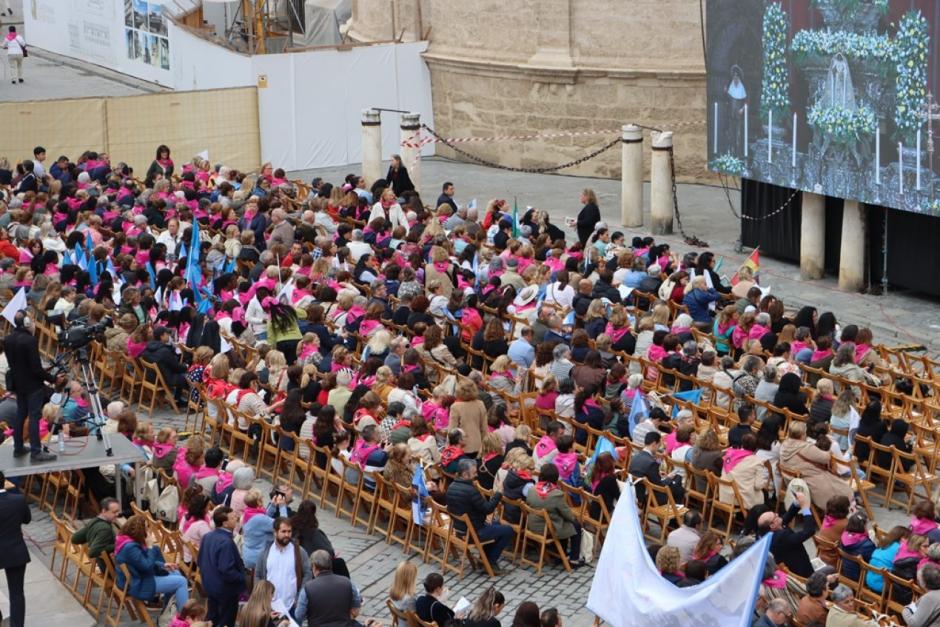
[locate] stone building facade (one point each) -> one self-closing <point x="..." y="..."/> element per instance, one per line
<point x="543" y="66"/>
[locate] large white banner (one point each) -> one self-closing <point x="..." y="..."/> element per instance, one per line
<point x="628" y="590"/>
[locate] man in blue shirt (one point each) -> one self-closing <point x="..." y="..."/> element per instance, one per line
<point x="521" y="352"/>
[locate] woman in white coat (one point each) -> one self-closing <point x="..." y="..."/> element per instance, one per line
<point x="16" y="49"/>
<point x="387" y="207"/>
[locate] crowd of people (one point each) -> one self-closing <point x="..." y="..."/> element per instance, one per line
<point x="402" y="335"/>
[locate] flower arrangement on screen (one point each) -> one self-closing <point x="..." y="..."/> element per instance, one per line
<point x="775" y="85"/>
<point x="840" y="124"/>
<point x="728" y="164"/>
<point x="826" y="43"/>
<point x="911" y="45"/>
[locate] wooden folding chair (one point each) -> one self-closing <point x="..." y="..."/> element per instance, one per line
<point x="826" y="547"/>
<point x="383" y="506"/>
<point x="661" y="505"/>
<point x="697" y="489"/>
<point x="118" y="598"/>
<point x="876" y="473"/>
<point x="518" y="527"/>
<point x="437" y="529"/>
<point x="153" y="384"/>
<point x="546" y="541"/>
<point x="860" y="486"/>
<point x="349" y="488"/>
<point x="401" y="517"/>
<point x="467" y="546"/>
<point x="916" y="476"/>
<point x="62" y="546"/>
<point x="399" y="618"/>
<point x="366" y="499"/>
<point x="731" y="511"/>
<point x="595" y="523"/>
<point x="332" y="482"/>
<point x="94" y="578"/>
<point x="269" y="453"/>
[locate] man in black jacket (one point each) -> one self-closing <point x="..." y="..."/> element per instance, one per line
<point x="26" y="376"/>
<point x="159" y="352"/>
<point x="13" y="552"/>
<point x="646" y="465"/>
<point x="787" y="545"/>
<point x="464" y="498"/>
<point x="603" y="287"/>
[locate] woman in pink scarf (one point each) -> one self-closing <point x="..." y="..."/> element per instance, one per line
<point x="747" y="471"/>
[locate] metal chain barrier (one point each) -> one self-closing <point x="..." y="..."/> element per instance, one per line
<point x="493" y="164"/>
<point x="691" y="240"/>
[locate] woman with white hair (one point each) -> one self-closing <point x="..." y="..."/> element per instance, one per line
<point x="698" y="298"/>
<point x="843" y="365"/>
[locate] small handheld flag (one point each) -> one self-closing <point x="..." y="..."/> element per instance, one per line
<point x="752" y="263"/>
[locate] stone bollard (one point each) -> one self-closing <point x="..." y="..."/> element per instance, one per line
<point x="371" y="146"/>
<point x="631" y="176"/>
<point x="813" y="236"/>
<point x="411" y="157"/>
<point x="852" y="252"/>
<point x="661" y="201"/>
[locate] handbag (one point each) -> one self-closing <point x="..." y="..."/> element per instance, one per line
<point x="587" y="545"/>
<point x="25" y="51"/>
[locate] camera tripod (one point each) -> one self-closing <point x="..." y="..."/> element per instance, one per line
<point x="96" y="418"/>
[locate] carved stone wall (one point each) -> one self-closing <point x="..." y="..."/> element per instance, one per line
<point x="539" y="66"/>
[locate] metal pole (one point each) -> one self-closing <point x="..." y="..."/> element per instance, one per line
<point x="884" y="256"/>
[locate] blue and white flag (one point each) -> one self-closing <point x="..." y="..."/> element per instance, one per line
<point x="193" y="274"/>
<point x="114" y="273"/>
<point x="603" y="446"/>
<point x="693" y="396"/>
<point x="421" y="493"/>
<point x="92" y="262"/>
<point x="637" y="410"/>
<point x="628" y="590"/>
<point x="569" y="319"/>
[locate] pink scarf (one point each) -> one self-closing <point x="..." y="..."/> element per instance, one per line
<point x="11" y="36"/>
<point x="904" y="552"/>
<point x="922" y="526"/>
<point x="614" y="333"/>
<point x="251" y="512"/>
<point x="734" y="456"/>
<point x="545" y="446"/>
<point x="850" y="538"/>
<point x="566" y="464"/>
<point x="817" y="355"/>
<point x="757" y="332"/>
<point x="829" y="522"/>
<point x="860" y="351"/>
<point x="361" y="452"/>
<point x="777" y="581"/>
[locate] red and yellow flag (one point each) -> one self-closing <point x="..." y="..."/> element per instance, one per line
<point x="752" y="263"/>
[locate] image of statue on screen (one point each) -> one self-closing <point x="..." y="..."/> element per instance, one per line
<point x="845" y="106"/>
<point x="737" y="105"/>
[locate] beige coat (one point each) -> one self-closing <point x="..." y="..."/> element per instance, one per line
<point x="750" y="475"/>
<point x="431" y="274"/>
<point x="470" y="416"/>
<point x="813" y="464"/>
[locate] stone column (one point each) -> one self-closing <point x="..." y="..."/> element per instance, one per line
<point x="631" y="176"/>
<point x="813" y="236"/>
<point x="371" y="146"/>
<point x="411" y="157"/>
<point x="661" y="201"/>
<point x="852" y="252"/>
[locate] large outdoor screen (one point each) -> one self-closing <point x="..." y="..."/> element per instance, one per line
<point x="835" y="97"/>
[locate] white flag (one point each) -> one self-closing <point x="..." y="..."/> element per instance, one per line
<point x="224" y="346"/>
<point x="628" y="590"/>
<point x="204" y="154"/>
<point x="17" y="303"/>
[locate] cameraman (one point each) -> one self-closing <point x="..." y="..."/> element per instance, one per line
<point x="25" y="378"/>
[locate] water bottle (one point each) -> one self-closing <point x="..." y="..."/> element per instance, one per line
<point x="61" y="442"/>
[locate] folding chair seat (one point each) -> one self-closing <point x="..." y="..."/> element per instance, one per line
<point x="154" y="385"/>
<point x="916" y="476"/>
<point x="596" y="523"/>
<point x="349" y="489"/>
<point x="467" y="547"/>
<point x="875" y="473"/>
<point x="731" y="511"/>
<point x="332" y="481"/>
<point x="383" y="507"/>
<point x="437" y="529"/>
<point x="546" y="541"/>
<point x="402" y="517"/>
<point x="269" y="453"/>
<point x="366" y="499"/>
<point x="518" y="527"/>
<point x="661" y="505"/>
